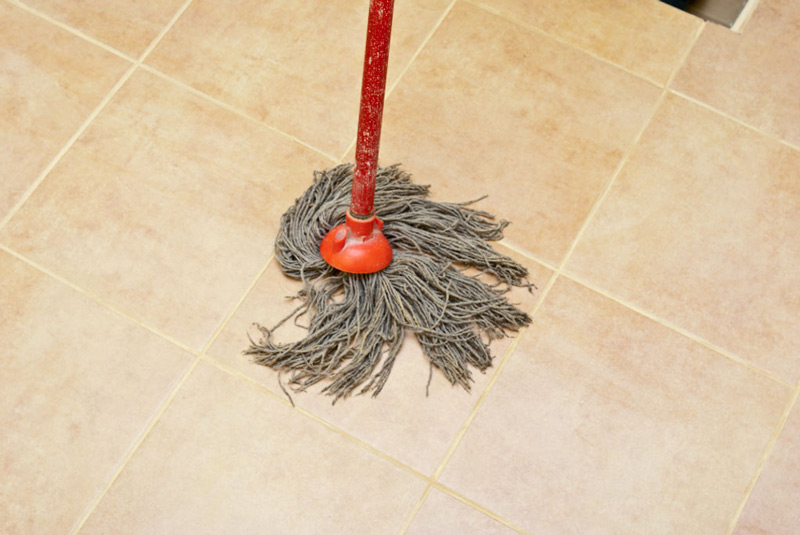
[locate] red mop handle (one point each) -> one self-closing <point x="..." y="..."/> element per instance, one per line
<point x="373" y="88"/>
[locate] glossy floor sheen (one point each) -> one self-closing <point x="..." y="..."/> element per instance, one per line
<point x="649" y="164"/>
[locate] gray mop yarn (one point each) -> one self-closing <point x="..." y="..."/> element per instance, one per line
<point x="357" y="321"/>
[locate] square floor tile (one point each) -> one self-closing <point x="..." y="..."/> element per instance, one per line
<point x="128" y="26"/>
<point x="700" y="229"/>
<point x="606" y="422"/>
<point x="79" y="385"/>
<point x="385" y="422"/>
<point x="649" y="38"/>
<point x="441" y="513"/>
<point x="295" y="65"/>
<point x="754" y="76"/>
<point x="772" y="507"/>
<point x="492" y="108"/>
<point x="167" y="207"/>
<point x="50" y="81"/>
<point x="227" y="457"/>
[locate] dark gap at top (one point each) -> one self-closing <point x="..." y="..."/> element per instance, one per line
<point x="722" y="12"/>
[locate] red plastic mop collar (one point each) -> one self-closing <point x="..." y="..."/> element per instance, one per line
<point x="358" y="245"/>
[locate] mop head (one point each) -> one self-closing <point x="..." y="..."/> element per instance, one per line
<point x="357" y="322"/>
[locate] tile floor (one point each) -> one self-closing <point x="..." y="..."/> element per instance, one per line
<point x="649" y="163"/>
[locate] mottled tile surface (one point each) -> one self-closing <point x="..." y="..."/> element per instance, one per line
<point x="167" y="206"/>
<point x="700" y="230"/>
<point x="602" y="421"/>
<point x="79" y="384"/>
<point x="50" y="81"/>
<point x="228" y="457"/>
<point x="492" y="108"/>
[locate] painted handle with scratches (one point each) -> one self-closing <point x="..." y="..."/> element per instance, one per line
<point x="373" y="89"/>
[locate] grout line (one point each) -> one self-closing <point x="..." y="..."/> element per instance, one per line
<point x="680" y="330"/>
<point x="167" y="27"/>
<point x="234" y="110"/>
<point x="720" y="112"/>
<point x="433" y="482"/>
<point x="626" y="157"/>
<point x="414" y="510"/>
<point x="736" y="120"/>
<point x="562" y="41"/>
<point x="365" y="445"/>
<point x="185" y="376"/>
<point x="474" y="412"/>
<point x="81" y="129"/>
<point x="139" y="62"/>
<point x="129" y="455"/>
<point x="609" y="185"/>
<point x="687" y="53"/>
<point x="629" y="150"/>
<point x="390" y="89"/>
<point x="479" y="507"/>
<point x="717" y="110"/>
<point x="419" y="49"/>
<point x="560" y="268"/>
<point x="744" y="16"/>
<point x="210" y="98"/>
<point x="97" y="299"/>
<point x="74" y="31"/>
<point x="527" y="254"/>
<point x="239" y="375"/>
<point x="310" y="415"/>
<point x="506" y="357"/>
<point x="457" y="440"/>
<point x="350" y="147"/>
<point x="763" y="462"/>
<point x="224" y="322"/>
<point x="94" y="113"/>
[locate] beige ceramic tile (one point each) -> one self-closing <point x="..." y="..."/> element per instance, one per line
<point x="402" y="421"/>
<point x="50" y="81"/>
<point x="700" y="229"/>
<point x="79" y="385"/>
<point x="754" y="76"/>
<point x="127" y="26"/>
<point x="772" y="507"/>
<point x="492" y="108"/>
<point x="647" y="37"/>
<point x="441" y="514"/>
<point x="295" y="65"/>
<point x="167" y="206"/>
<point x="229" y="458"/>
<point x="606" y="422"/>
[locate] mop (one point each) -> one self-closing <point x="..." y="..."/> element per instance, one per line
<point x="394" y="261"/>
